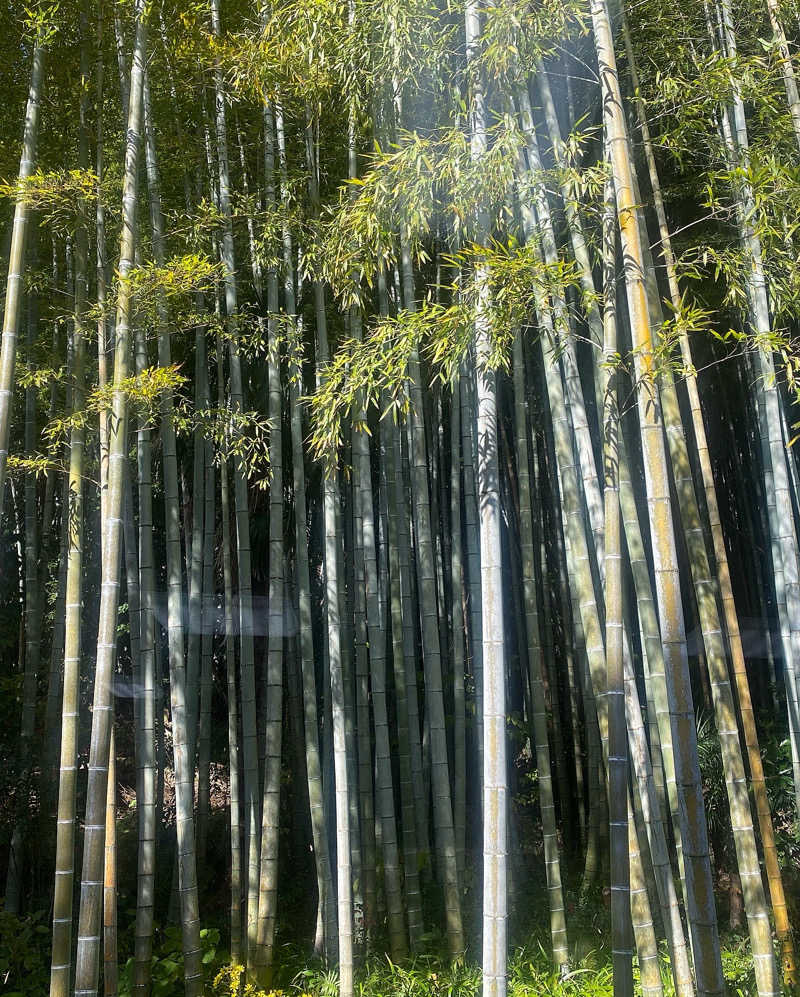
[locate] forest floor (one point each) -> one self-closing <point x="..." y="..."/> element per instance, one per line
<point x="24" y="969"/>
<point x="25" y="942"/>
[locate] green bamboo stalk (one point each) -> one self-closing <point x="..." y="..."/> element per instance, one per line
<point x="146" y="762"/>
<point x="641" y="916"/>
<point x="458" y="644"/>
<point x="181" y="715"/>
<point x="562" y="324"/>
<point x="539" y="733"/>
<point x="247" y="666"/>
<point x="364" y="737"/>
<point x="472" y="551"/>
<point x="342" y="790"/>
<point x="402" y="516"/>
<point x="195" y="560"/>
<point x="61" y="964"/>
<point x="658" y="711"/>
<point x="31" y="653"/>
<point x="657" y="838"/>
<point x="207" y="626"/>
<point x="787" y="65"/>
<point x="130" y="552"/>
<point x="238" y="945"/>
<point x="377" y="661"/>
<point x="660" y="728"/>
<point x="110" y="966"/>
<point x="326" y="900"/>
<point x="326" y="897"/>
<point x="87" y="960"/>
<point x="268" y="884"/>
<point x="16" y="258"/>
<point x="369" y="640"/>
<point x="33" y="629"/>
<point x="408" y="821"/>
<point x="619" y="820"/>
<point x="444" y="835"/>
<point x="359" y="870"/>
<point x="55" y="675"/>
<point x="577" y="236"/>
<point x="546" y="633"/>
<point x="332" y="546"/>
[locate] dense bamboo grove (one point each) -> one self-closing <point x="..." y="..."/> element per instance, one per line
<point x="400" y="497"/>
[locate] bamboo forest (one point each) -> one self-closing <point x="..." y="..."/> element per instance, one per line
<point x="400" y="498"/>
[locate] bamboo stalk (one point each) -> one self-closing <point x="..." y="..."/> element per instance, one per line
<point x="252" y="810"/>
<point x="699" y="892"/>
<point x="16" y="259"/>
<point x="61" y="965"/>
<point x="182" y="739"/>
<point x="88" y="950"/>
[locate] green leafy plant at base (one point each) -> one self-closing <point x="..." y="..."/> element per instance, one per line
<point x="167" y="962"/>
<point x="737" y="966"/>
<point x="532" y="972"/>
<point x="24" y="954"/>
<point x="777" y="757"/>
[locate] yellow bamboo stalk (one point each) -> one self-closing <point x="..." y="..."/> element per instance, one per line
<point x="699" y="884"/>
<point x="774" y="878"/>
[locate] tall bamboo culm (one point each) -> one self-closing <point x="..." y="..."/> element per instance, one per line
<point x="61" y="967"/>
<point x="774" y="877"/>
<point x="618" y="793"/>
<point x="88" y="950"/>
<point x="694" y="832"/>
<point x="16" y="260"/>
<point x="252" y="807"/>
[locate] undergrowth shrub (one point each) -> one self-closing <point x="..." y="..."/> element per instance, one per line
<point x="167" y="962"/>
<point x="24" y="954"/>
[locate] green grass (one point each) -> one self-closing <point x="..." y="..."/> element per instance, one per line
<point x="530" y="975"/>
